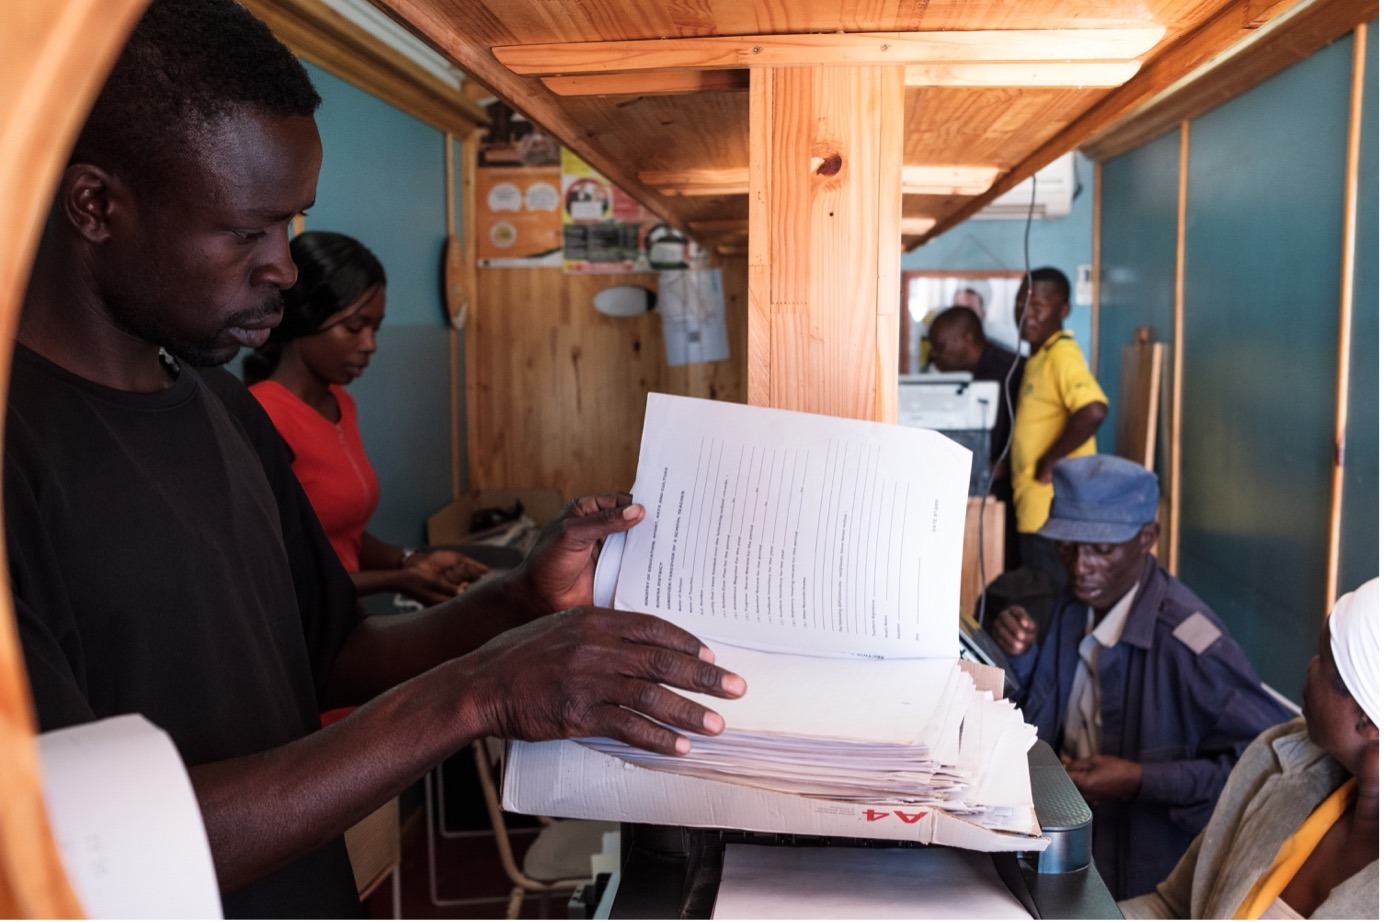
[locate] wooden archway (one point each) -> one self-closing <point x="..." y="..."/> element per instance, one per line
<point x="53" y="58"/>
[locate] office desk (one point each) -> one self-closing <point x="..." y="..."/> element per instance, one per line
<point x="670" y="872"/>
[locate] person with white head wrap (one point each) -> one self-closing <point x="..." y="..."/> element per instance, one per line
<point x="1296" y="831"/>
<point x="1354" y="625"/>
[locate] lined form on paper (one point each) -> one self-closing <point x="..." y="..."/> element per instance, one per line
<point x="820" y="559"/>
<point x="795" y="531"/>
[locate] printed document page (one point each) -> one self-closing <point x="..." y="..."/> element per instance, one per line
<point x="796" y="532"/>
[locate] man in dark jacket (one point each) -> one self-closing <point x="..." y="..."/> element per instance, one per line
<point x="1137" y="684"/>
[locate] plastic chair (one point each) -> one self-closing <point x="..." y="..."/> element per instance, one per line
<point x="559" y="858"/>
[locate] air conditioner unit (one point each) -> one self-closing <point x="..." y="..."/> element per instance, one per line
<point x="1056" y="188"/>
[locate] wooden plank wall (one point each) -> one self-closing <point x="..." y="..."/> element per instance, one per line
<point x="556" y="390"/>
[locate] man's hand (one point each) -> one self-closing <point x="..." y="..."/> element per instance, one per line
<point x="1080" y="426"/>
<point x="1014" y="630"/>
<point x="560" y="568"/>
<point x="598" y="672"/>
<point x="1105" y="777"/>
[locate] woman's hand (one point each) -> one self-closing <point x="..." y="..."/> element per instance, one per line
<point x="446" y="565"/>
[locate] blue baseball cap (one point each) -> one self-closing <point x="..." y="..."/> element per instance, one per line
<point x="1100" y="499"/>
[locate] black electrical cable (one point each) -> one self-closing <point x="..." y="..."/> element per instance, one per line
<point x="1008" y="406"/>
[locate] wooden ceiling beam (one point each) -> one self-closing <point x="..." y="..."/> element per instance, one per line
<point x="917" y="180"/>
<point x="1297" y="34"/>
<point x="1211" y="41"/>
<point x="948" y="180"/>
<point x="529" y="97"/>
<point x="916" y="227"/>
<point x="860" y="48"/>
<point x="650" y="83"/>
<point x="735" y="228"/>
<point x="1054" y="74"/>
<point x="726" y="227"/>
<point x="697" y="182"/>
<point x="315" y="31"/>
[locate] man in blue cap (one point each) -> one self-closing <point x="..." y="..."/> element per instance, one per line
<point x="1137" y="684"/>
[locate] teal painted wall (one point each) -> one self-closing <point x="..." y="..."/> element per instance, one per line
<point x="1138" y="258"/>
<point x="1264" y="218"/>
<point x="999" y="244"/>
<point x="384" y="181"/>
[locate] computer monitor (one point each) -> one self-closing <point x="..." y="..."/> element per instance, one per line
<point x="960" y="408"/>
<point x="948" y="400"/>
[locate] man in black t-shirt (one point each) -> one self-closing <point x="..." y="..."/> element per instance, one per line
<point x="164" y="560"/>
<point x="959" y="344"/>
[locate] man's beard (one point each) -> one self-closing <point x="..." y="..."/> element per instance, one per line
<point x="218" y="351"/>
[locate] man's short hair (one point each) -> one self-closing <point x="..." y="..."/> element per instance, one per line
<point x="188" y="64"/>
<point x="973" y="293"/>
<point x="958" y="320"/>
<point x="1053" y="276"/>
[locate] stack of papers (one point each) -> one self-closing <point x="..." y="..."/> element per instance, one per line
<point x="911" y="732"/>
<point x="819" y="558"/>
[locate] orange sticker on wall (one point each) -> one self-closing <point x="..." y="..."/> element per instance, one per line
<point x="519" y="219"/>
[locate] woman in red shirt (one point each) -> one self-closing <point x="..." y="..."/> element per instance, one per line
<point x="331" y="316"/>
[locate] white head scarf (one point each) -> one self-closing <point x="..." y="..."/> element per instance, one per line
<point x="1354" y="628"/>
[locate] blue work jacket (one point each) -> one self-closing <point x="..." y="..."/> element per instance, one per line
<point x="1177" y="695"/>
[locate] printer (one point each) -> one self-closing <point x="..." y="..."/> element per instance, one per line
<point x="959" y="407"/>
<point x="670" y="872"/>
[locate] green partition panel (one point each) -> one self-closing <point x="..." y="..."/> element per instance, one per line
<point x="1265" y="191"/>
<point x="1138" y="246"/>
<point x="1360" y="508"/>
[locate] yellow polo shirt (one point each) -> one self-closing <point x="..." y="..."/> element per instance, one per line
<point x="1056" y="383"/>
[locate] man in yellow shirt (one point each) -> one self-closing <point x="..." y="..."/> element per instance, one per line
<point x="1060" y="408"/>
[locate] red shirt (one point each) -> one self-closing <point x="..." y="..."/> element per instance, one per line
<point x="329" y="459"/>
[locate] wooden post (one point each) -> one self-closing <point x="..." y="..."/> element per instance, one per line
<point x="1352" y="196"/>
<point x="1095" y="266"/>
<point x="1179" y="310"/>
<point x="826" y="149"/>
<point x="53" y="57"/>
<point x="454" y="390"/>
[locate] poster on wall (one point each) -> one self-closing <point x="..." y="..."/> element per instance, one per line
<point x="693" y="307"/>
<point x="517" y="216"/>
<point x="603" y="228"/>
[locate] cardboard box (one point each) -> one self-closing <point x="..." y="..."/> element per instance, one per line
<point x="567" y="779"/>
<point x="452" y="523"/>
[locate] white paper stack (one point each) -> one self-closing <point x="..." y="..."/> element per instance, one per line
<point x="820" y="559"/>
<point x="908" y="732"/>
